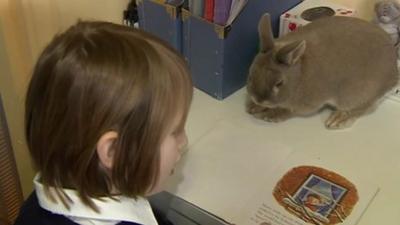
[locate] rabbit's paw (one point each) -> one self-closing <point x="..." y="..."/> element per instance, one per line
<point x="339" y="120"/>
<point x="276" y="115"/>
<point x="253" y="108"/>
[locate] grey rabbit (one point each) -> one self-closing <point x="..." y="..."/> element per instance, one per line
<point x="343" y="63"/>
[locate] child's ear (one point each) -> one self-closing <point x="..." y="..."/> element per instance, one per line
<point x="105" y="149"/>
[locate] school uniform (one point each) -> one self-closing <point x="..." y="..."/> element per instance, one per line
<point x="39" y="209"/>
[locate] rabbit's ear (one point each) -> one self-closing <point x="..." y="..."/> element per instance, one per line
<point x="265" y="33"/>
<point x="291" y="53"/>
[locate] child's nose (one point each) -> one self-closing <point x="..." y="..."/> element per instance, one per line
<point x="183" y="141"/>
<point x="182" y="145"/>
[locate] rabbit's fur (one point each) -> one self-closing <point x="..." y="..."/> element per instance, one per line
<point x="345" y="63"/>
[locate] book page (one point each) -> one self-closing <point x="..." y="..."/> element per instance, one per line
<point x="225" y="168"/>
<point x="309" y="191"/>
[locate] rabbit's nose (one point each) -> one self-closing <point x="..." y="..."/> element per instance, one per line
<point x="257" y="99"/>
<point x="254" y="99"/>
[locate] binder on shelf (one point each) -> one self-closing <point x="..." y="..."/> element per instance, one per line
<point x="209" y="10"/>
<point x="196" y="7"/>
<point x="162" y="20"/>
<point x="219" y="56"/>
<point x="221" y="11"/>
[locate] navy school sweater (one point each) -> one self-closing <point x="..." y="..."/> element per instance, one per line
<point x="32" y="213"/>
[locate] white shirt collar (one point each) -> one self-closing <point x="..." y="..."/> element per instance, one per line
<point x="126" y="209"/>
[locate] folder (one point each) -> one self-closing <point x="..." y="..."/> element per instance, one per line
<point x="221" y="11"/>
<point x="209" y="10"/>
<point x="175" y="2"/>
<point x="196" y="7"/>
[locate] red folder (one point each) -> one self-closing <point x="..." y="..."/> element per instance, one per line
<point x="209" y="10"/>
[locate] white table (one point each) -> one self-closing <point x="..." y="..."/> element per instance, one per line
<point x="371" y="147"/>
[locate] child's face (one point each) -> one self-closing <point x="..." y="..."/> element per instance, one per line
<point x="170" y="153"/>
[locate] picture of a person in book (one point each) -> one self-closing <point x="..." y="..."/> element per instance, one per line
<point x="316" y="203"/>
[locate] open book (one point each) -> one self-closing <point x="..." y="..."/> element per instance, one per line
<point x="304" y="191"/>
<point x="247" y="177"/>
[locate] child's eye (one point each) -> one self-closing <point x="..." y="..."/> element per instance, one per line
<point x="279" y="84"/>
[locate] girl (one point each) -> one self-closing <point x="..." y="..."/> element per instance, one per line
<point x="105" y="115"/>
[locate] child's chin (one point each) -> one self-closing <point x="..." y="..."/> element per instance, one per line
<point x="154" y="191"/>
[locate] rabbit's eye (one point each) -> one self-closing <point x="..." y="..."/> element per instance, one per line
<point x="279" y="84"/>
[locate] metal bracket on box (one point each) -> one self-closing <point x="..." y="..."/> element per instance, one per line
<point x="185" y="15"/>
<point x="171" y="10"/>
<point x="221" y="31"/>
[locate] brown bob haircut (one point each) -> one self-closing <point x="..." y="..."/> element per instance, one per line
<point x="94" y="78"/>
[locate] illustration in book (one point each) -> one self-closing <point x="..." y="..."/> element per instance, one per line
<point x="303" y="191"/>
<point x="316" y="195"/>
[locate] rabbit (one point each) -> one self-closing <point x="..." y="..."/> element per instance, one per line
<point x="342" y="63"/>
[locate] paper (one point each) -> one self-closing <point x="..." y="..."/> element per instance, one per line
<point x="236" y="8"/>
